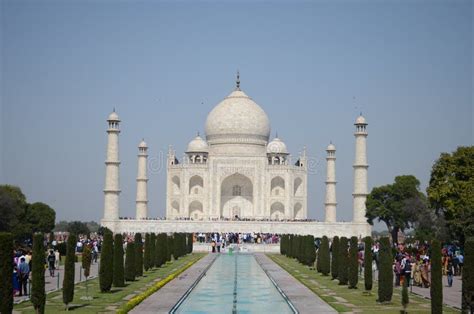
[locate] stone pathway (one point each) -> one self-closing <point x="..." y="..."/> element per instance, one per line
<point x="52" y="283"/>
<point x="164" y="299"/>
<point x="302" y="298"/>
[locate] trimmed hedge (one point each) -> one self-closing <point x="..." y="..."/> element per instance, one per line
<point x="138" y="255"/>
<point x="106" y="270"/>
<point x="146" y="254"/>
<point x="353" y="266"/>
<point x="118" y="276"/>
<point x="436" y="287"/>
<point x="385" y="287"/>
<point x="6" y="271"/>
<point x="69" y="270"/>
<point x="335" y="257"/>
<point x="468" y="276"/>
<point x="368" y="263"/>
<point x="130" y="262"/>
<point x="343" y="262"/>
<point x="325" y="259"/>
<point x="38" y="294"/>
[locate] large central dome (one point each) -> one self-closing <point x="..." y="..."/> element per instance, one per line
<point x="237" y="119"/>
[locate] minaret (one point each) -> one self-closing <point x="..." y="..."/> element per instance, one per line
<point x="112" y="163"/>
<point x="360" y="170"/>
<point x="142" y="180"/>
<point x="330" y="204"/>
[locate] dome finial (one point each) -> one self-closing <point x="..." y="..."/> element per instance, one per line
<point x="198" y="133"/>
<point x="237" y="82"/>
<point x="276" y="134"/>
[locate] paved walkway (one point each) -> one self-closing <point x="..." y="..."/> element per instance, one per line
<point x="164" y="299"/>
<point x="56" y="282"/>
<point x="302" y="298"/>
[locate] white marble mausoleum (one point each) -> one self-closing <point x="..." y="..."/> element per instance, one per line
<point x="236" y="179"/>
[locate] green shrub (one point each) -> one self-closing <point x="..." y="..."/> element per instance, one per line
<point x="69" y="271"/>
<point x="6" y="271"/>
<point x="385" y="287"/>
<point x="138" y="255"/>
<point x="38" y="294"/>
<point x="353" y="266"/>
<point x="325" y="262"/>
<point x="335" y="257"/>
<point x="118" y="277"/>
<point x="130" y="262"/>
<point x="343" y="262"/>
<point x="106" y="270"/>
<point x="146" y="254"/>
<point x="368" y="263"/>
<point x="436" y="287"/>
<point x="468" y="277"/>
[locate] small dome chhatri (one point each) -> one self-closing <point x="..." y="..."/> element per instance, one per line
<point x="331" y="147"/>
<point x="142" y="144"/>
<point x="360" y="119"/>
<point x="237" y="119"/>
<point x="197" y="145"/>
<point x="113" y="116"/>
<point x="277" y="146"/>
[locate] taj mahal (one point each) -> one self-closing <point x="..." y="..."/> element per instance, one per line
<point x="236" y="178"/>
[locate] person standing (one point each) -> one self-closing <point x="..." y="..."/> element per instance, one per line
<point x="57" y="258"/>
<point x="450" y="273"/>
<point x="24" y="270"/>
<point x="51" y="262"/>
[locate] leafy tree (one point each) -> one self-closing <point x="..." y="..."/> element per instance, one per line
<point x="436" y="287"/>
<point x="353" y="266"/>
<point x="325" y="262"/>
<point x="78" y="227"/>
<point x="6" y="271"/>
<point x="61" y="226"/>
<point x="138" y="255"/>
<point x="86" y="266"/>
<point x="130" y="267"/>
<point x="451" y="191"/>
<point x="106" y="270"/>
<point x="394" y="204"/>
<point x="368" y="259"/>
<point x="69" y="270"/>
<point x="118" y="275"/>
<point x="93" y="226"/>
<point x="334" y="257"/>
<point x="343" y="262"/>
<point x="41" y="217"/>
<point x="467" y="277"/>
<point x="385" y="288"/>
<point x="12" y="210"/>
<point x="38" y="294"/>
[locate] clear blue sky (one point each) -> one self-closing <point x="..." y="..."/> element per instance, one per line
<point x="165" y="65"/>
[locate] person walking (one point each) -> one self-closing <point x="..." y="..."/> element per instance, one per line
<point x="450" y="273"/>
<point x="57" y="256"/>
<point x="51" y="262"/>
<point x="24" y="270"/>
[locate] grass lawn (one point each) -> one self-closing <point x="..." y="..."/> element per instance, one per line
<point x="111" y="301"/>
<point x="344" y="299"/>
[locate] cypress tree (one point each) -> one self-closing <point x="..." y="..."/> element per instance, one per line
<point x="166" y="249"/>
<point x="146" y="254"/>
<point x="156" y="258"/>
<point x="334" y="257"/>
<point x="436" y="287"/>
<point x="138" y="255"/>
<point x="405" y="299"/>
<point x="368" y="263"/>
<point x="353" y="266"/>
<point x="69" y="271"/>
<point x="282" y="244"/>
<point x="325" y="259"/>
<point x="171" y="246"/>
<point x="130" y="267"/>
<point x="106" y="270"/>
<point x="343" y="261"/>
<point x="385" y="288"/>
<point x="151" y="261"/>
<point x="86" y="266"/>
<point x="6" y="271"/>
<point x="310" y="251"/>
<point x="190" y="243"/>
<point x="38" y="294"/>
<point x="118" y="277"/>
<point x="318" y="260"/>
<point x="468" y="277"/>
<point x="176" y="245"/>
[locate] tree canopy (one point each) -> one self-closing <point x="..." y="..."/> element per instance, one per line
<point x="451" y="191"/>
<point x="398" y="205"/>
